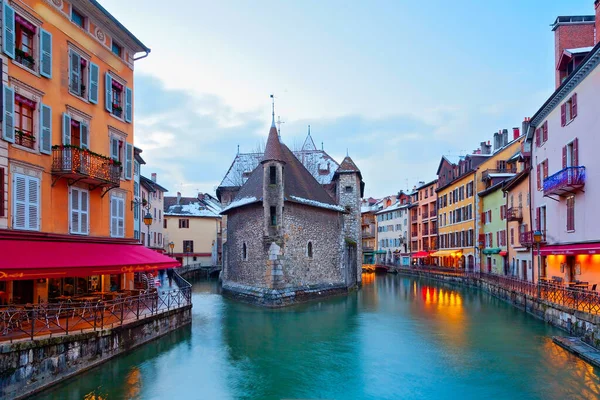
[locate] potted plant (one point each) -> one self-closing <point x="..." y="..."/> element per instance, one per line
<point x="117" y="110"/>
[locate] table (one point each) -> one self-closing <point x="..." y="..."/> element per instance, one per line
<point x="88" y="298"/>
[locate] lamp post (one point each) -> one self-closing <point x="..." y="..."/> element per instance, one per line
<point x="148" y="222"/>
<point x="171" y="246"/>
<point x="537" y="238"/>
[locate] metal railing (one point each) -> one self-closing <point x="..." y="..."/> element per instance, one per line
<point x="526" y="238"/>
<point x="57" y="319"/>
<point x="564" y="180"/>
<point x="514" y="214"/>
<point x="74" y="160"/>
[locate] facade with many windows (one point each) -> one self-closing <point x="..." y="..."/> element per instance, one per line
<point x="393" y="240"/>
<point x="152" y="202"/>
<point x="67" y="133"/>
<point x="424" y="223"/>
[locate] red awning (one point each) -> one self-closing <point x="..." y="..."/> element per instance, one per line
<point x="571" y="249"/>
<point x="503" y="253"/>
<point x="31" y="259"/>
<point x="421" y="254"/>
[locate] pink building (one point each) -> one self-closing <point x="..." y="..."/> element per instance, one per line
<point x="564" y="141"/>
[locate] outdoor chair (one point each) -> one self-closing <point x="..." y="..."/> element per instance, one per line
<point x="594" y="287"/>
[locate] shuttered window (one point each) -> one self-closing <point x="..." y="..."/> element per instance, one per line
<point x="45" y="54"/>
<point x="571" y="213"/>
<point x="79" y="215"/>
<point x="2" y="192"/>
<point x="117" y="216"/>
<point x="26" y="202"/>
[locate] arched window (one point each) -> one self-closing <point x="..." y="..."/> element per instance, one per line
<point x="244" y="252"/>
<point x="309" y="250"/>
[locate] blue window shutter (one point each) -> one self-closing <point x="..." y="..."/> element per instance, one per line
<point x="66" y="129"/>
<point x="46" y="131"/>
<point x="8" y="122"/>
<point x="84" y="135"/>
<point x="94" y="77"/>
<point x="128" y="100"/>
<point x="45" y="54"/>
<point x="128" y="160"/>
<point x="108" y="92"/>
<point x="75" y="73"/>
<point x="8" y="34"/>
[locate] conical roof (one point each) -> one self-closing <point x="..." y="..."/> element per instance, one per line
<point x="273" y="151"/>
<point x="347" y="165"/>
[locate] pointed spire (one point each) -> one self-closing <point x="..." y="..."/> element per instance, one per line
<point x="309" y="144"/>
<point x="308" y="130"/>
<point x="238" y="149"/>
<point x="273" y="111"/>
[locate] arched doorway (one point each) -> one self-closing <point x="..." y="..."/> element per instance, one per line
<point x="470" y="262"/>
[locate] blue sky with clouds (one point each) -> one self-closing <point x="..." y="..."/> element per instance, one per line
<point x="397" y="83"/>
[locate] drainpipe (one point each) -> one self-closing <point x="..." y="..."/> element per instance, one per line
<point x="146" y="54"/>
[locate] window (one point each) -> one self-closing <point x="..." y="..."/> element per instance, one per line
<point x="117" y="216"/>
<point x="117" y="98"/>
<point x="78" y="74"/>
<point x="512" y="236"/>
<point x="244" y="252"/>
<point x="79" y="216"/>
<point x="24" y="48"/>
<point x="348" y="189"/>
<point x="309" y="250"/>
<point x="26" y="202"/>
<point x="570" y="213"/>
<point x="116" y="49"/>
<point x="77" y="18"/>
<point x="188" y="246"/>
<point x="184" y="223"/>
<point x="24" y="112"/>
<point x="272" y="175"/>
<point x="165" y="223"/>
<point x="273" y="215"/>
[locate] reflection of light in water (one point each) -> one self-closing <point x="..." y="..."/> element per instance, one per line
<point x="94" y="396"/>
<point x="368" y="278"/>
<point x="133" y="383"/>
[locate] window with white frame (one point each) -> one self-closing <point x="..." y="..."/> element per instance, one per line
<point x="26" y="202"/>
<point x="78" y="209"/>
<point x="117" y="216"/>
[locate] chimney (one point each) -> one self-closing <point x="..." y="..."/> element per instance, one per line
<point x="572" y="32"/>
<point x="525" y="125"/>
<point x="497" y="140"/>
<point x="201" y="196"/>
<point x="153" y="177"/>
<point x="486" y="148"/>
<point x="516" y="133"/>
<point x="178" y="198"/>
<point x="504" y="137"/>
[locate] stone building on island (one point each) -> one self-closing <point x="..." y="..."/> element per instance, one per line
<point x="290" y="237"/>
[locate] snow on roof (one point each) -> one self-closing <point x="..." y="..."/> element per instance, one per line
<point x="393" y="207"/>
<point x="579" y="50"/>
<point x="195" y="209"/>
<point x="315" y="203"/>
<point x="515" y="156"/>
<point x="501" y="175"/>
<point x="240" y="202"/>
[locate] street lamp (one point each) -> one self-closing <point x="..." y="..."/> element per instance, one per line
<point x="537" y="238"/>
<point x="171" y="246"/>
<point x="148" y="222"/>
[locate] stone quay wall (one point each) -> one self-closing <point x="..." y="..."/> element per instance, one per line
<point x="577" y="323"/>
<point x="29" y="366"/>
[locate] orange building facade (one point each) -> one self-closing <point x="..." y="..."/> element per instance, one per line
<point x="66" y="154"/>
<point x="424" y="224"/>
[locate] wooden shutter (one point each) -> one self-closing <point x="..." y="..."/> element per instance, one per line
<point x="128" y="160"/>
<point x="108" y="92"/>
<point x="114" y="148"/>
<point x="571" y="213"/>
<point x="490" y="216"/>
<point x="113" y="216"/>
<point x="512" y="235"/>
<point x="19" y="201"/>
<point x="94" y="78"/>
<point x="545" y="131"/>
<point x="8" y="37"/>
<point x="84" y="135"/>
<point x="538" y="217"/>
<point x="564" y="157"/>
<point x="45" y="54"/>
<point x="128" y="104"/>
<point x="121" y="217"/>
<point x="66" y="129"/>
<point x="576" y="152"/>
<point x="563" y="114"/>
<point x="3" y="191"/>
<point x="75" y="213"/>
<point x="74" y="73"/>
<point x="8" y="122"/>
<point x="45" y="129"/>
<point x="538" y="139"/>
<point x="545" y="168"/>
<point x="33" y="211"/>
<point x="539" y="176"/>
<point x="574" y="106"/>
<point x="83" y="212"/>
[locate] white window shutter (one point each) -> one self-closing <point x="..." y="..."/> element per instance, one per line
<point x="33" y="206"/>
<point x="121" y="218"/>
<point x="114" y="148"/>
<point x="45" y="54"/>
<point x="8" y="122"/>
<point x="66" y="129"/>
<point x="74" y="73"/>
<point x="84" y="134"/>
<point x="8" y="34"/>
<point x="128" y="160"/>
<point x="113" y="216"/>
<point x="94" y="78"/>
<point x="108" y="92"/>
<point x="46" y="129"/>
<point x="83" y="212"/>
<point x="74" y="215"/>
<point x="128" y="104"/>
<point x="19" y="201"/>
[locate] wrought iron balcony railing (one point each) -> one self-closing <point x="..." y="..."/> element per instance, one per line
<point x="84" y="166"/>
<point x="514" y="214"/>
<point x="526" y="238"/>
<point x="565" y="181"/>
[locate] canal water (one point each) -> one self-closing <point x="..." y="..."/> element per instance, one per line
<point x="397" y="338"/>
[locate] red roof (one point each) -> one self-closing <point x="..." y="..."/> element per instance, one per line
<point x="34" y="259"/>
<point x="273" y="151"/>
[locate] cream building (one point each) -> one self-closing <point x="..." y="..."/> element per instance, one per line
<point x="152" y="202"/>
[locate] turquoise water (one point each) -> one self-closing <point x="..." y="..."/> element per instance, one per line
<point x="396" y="338"/>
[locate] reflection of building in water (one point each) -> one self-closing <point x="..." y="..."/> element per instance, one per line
<point x="368" y="278"/>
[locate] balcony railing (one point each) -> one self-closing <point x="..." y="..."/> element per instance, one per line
<point x="514" y="214"/>
<point x="25" y="140"/>
<point x="368" y="248"/>
<point x="425" y="231"/>
<point x="526" y="238"/>
<point x="434" y="230"/>
<point x="487" y="172"/>
<point x="565" y="181"/>
<point x="414" y="234"/>
<point x="413" y="218"/>
<point x="84" y="166"/>
<point x="432" y="213"/>
<point x="368" y="234"/>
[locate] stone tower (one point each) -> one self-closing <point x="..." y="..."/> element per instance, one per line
<point x="349" y="190"/>
<point x="273" y="189"/>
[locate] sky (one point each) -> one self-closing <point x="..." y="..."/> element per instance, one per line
<point x="395" y="84"/>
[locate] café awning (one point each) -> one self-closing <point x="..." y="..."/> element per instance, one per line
<point x="571" y="249"/>
<point x="421" y="254"/>
<point x="445" y="253"/>
<point x="33" y="259"/>
<point x="493" y="250"/>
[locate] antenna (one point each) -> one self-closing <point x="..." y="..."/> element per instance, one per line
<point x="272" y="110"/>
<point x="238" y="149"/>
<point x="346" y="152"/>
<point x="322" y="149"/>
<point x="308" y="130"/>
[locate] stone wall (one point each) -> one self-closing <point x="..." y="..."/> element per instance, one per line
<point x="30" y="366"/>
<point x="245" y="225"/>
<point x="321" y="227"/>
<point x="352" y="220"/>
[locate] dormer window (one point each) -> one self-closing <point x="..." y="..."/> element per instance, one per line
<point x="77" y="18"/>
<point x="116" y="49"/>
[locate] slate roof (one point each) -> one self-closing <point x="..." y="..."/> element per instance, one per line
<point x="273" y="150"/>
<point x="203" y="206"/>
<point x="151" y="185"/>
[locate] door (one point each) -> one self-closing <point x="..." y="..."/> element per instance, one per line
<point x="23" y="292"/>
<point x="524" y="269"/>
<point x="489" y="265"/>
<point x="570" y="272"/>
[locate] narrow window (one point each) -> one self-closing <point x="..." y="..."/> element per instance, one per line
<point x="309" y="250"/>
<point x="116" y="49"/>
<point x="348" y="189"/>
<point x="77" y="18"/>
<point x="244" y="252"/>
<point x="272" y="175"/>
<point x="25" y="34"/>
<point x="24" y="111"/>
<point x="165" y="223"/>
<point x="571" y="213"/>
<point x="273" y="216"/>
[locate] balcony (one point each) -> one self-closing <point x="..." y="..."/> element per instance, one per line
<point x="24" y="139"/>
<point x="433" y="230"/>
<point x="514" y="214"/>
<point x="414" y="234"/>
<point x="368" y="234"/>
<point x="425" y="231"/>
<point x="413" y="218"/>
<point x="526" y="238"/>
<point x="433" y="214"/>
<point x="491" y="173"/>
<point x="564" y="182"/>
<point x="81" y="165"/>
